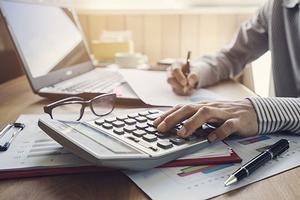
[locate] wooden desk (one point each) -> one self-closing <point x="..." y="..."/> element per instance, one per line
<point x="16" y="98"/>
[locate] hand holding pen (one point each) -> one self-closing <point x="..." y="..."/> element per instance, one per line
<point x="182" y="80"/>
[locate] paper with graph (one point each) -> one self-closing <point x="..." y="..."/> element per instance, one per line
<point x="202" y="182"/>
<point x="33" y="149"/>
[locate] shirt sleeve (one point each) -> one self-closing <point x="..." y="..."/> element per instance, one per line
<point x="250" y="42"/>
<point x="277" y="114"/>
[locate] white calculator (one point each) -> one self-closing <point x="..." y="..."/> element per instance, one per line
<point x="126" y="142"/>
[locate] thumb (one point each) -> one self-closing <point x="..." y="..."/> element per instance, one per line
<point x="193" y="79"/>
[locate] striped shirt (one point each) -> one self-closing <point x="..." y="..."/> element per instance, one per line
<point x="275" y="27"/>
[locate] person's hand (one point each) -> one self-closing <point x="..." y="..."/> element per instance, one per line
<point x="181" y="84"/>
<point x="233" y="117"/>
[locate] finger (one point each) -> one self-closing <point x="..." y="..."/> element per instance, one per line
<point x="227" y="128"/>
<point x="174" y="83"/>
<point x="177" y="116"/>
<point x="158" y="120"/>
<point x="203" y="115"/>
<point x="178" y="74"/>
<point x="181" y="92"/>
<point x="192" y="80"/>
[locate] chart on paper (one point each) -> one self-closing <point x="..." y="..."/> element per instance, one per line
<point x="202" y="182"/>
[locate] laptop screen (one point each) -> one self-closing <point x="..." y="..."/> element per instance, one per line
<point x="46" y="36"/>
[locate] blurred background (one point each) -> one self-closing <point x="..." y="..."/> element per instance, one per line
<point x="159" y="29"/>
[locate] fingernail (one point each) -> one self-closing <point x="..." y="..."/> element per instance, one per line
<point x="162" y="127"/>
<point x="182" y="131"/>
<point x="212" y="137"/>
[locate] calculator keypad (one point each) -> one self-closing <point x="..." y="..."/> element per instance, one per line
<point x="139" y="128"/>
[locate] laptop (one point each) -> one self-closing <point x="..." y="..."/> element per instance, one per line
<point x="51" y="47"/>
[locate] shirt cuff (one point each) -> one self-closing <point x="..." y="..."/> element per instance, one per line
<point x="204" y="74"/>
<point x="277" y="114"/>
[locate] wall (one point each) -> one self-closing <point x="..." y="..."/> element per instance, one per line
<point x="168" y="35"/>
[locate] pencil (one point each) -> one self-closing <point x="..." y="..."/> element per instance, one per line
<point x="186" y="67"/>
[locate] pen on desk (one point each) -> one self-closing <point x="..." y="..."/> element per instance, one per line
<point x="186" y="67"/>
<point x="272" y="152"/>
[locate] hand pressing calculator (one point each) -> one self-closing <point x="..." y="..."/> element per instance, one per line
<point x="126" y="141"/>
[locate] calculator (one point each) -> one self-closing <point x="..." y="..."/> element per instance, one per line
<point x="126" y="141"/>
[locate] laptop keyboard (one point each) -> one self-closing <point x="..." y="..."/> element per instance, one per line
<point x="92" y="82"/>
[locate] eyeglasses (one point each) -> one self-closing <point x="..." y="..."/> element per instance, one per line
<point x="18" y="126"/>
<point x="100" y="106"/>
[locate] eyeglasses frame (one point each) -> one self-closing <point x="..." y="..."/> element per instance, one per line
<point x="79" y="100"/>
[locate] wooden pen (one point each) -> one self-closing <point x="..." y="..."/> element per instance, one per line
<point x="186" y="68"/>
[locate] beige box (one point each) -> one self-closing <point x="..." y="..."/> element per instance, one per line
<point x="107" y="50"/>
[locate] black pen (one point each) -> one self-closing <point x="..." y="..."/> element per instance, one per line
<point x="272" y="152"/>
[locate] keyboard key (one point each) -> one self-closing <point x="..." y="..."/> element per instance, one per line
<point x="119" y="131"/>
<point x="151" y="130"/>
<point x="141" y="119"/>
<point x="145" y="144"/>
<point x="139" y="133"/>
<point x="152" y="117"/>
<point x="133" y="115"/>
<point x="154" y="111"/>
<point x="122" y="118"/>
<point x="177" y="140"/>
<point x="130" y="121"/>
<point x="164" y="144"/>
<point x="107" y="126"/>
<point x="118" y="124"/>
<point x="99" y="122"/>
<point x="110" y="120"/>
<point x="141" y="125"/>
<point x="149" y="138"/>
<point x="144" y="113"/>
<point x="129" y="129"/>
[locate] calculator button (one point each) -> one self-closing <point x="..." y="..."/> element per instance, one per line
<point x="154" y="111"/>
<point x="161" y="135"/>
<point x="153" y="148"/>
<point x="99" y="122"/>
<point x="130" y="121"/>
<point x="107" y="126"/>
<point x="151" y="130"/>
<point x="141" y="126"/>
<point x="134" y="115"/>
<point x="122" y="118"/>
<point x="144" y="113"/>
<point x="153" y="116"/>
<point x="141" y="119"/>
<point x="133" y="138"/>
<point x="164" y="144"/>
<point x="118" y="124"/>
<point x="177" y="140"/>
<point x="191" y="138"/>
<point x="110" y="120"/>
<point x="150" y="123"/>
<point x="145" y="144"/>
<point x="139" y="133"/>
<point x="119" y="131"/>
<point x="129" y="129"/>
<point x="149" y="138"/>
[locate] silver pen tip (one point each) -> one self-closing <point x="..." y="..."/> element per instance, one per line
<point x="230" y="180"/>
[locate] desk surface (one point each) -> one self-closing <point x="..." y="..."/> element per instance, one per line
<point x="16" y="98"/>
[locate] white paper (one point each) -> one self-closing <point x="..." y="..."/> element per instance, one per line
<point x="152" y="88"/>
<point x="165" y="183"/>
